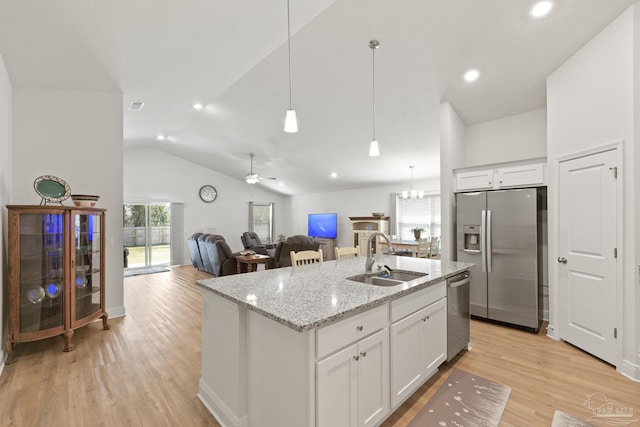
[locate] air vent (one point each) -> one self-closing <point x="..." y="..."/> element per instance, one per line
<point x="136" y="105"/>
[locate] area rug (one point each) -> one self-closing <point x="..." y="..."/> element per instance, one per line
<point x="464" y="400"/>
<point x="140" y="271"/>
<point x="560" y="419"/>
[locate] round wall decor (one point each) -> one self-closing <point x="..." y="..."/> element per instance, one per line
<point x="208" y="193"/>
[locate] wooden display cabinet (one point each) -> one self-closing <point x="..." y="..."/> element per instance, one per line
<point x="56" y="272"/>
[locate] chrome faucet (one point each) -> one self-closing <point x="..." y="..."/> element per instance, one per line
<point x="370" y="261"/>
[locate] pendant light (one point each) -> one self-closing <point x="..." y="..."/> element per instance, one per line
<point x="374" y="149"/>
<point x="290" y="120"/>
<point x="411" y="193"/>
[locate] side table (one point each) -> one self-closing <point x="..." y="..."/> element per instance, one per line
<point x="252" y="260"/>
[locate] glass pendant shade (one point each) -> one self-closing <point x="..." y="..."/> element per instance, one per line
<point x="374" y="150"/>
<point x="291" y="122"/>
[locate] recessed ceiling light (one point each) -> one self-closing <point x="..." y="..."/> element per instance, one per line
<point x="198" y="106"/>
<point x="541" y="9"/>
<point x="471" y="75"/>
<point x="334" y="175"/>
<point x="161" y="137"/>
<point x="281" y="184"/>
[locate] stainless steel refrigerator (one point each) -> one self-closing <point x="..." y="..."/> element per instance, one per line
<point x="498" y="232"/>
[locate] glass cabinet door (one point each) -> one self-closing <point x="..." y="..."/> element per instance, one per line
<point x="87" y="274"/>
<point x="42" y="261"/>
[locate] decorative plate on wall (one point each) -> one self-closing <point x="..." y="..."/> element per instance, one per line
<point x="208" y="193"/>
<point x="51" y="189"/>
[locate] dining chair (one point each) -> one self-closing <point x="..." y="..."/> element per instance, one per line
<point x="305" y="257"/>
<point x="424" y="248"/>
<point x="347" y="252"/>
<point x="434" y="247"/>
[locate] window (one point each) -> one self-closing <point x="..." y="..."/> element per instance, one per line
<point x="414" y="213"/>
<point x="261" y="221"/>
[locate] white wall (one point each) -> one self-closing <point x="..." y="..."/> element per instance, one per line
<point x="591" y="102"/>
<point x="518" y="137"/>
<point x="153" y="175"/>
<point x="452" y="138"/>
<point x="5" y="195"/>
<point x="76" y="136"/>
<point x="346" y="203"/>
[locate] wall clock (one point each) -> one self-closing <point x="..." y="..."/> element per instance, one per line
<point x="208" y="193"/>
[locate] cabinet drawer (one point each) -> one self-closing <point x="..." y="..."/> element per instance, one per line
<point x="335" y="336"/>
<point x="411" y="303"/>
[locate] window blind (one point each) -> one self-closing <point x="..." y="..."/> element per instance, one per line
<point x="416" y="213"/>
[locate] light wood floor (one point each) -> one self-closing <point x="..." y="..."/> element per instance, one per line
<point x="145" y="370"/>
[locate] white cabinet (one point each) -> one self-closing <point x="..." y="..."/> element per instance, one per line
<point x="353" y="384"/>
<point x="526" y="174"/>
<point x="362" y="227"/>
<point x="418" y="347"/>
<point x="474" y="180"/>
<point x="522" y="175"/>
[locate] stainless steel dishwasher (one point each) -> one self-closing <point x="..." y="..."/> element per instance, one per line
<point x="458" y="317"/>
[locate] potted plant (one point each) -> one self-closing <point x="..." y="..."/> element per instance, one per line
<point x="417" y="232"/>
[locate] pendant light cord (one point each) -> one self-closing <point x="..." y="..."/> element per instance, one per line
<point x="373" y="89"/>
<point x="289" y="50"/>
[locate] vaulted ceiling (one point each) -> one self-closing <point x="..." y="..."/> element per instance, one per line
<point x="231" y="56"/>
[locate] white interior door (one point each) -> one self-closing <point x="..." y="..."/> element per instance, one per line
<point x="587" y="260"/>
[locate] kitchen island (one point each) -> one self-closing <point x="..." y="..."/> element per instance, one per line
<point x="305" y="346"/>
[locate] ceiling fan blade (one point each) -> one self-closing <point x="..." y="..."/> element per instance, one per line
<point x="251" y="177"/>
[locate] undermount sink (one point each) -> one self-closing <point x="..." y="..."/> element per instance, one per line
<point x="394" y="278"/>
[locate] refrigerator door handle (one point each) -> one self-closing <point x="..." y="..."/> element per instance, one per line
<point x="483" y="239"/>
<point x="488" y="245"/>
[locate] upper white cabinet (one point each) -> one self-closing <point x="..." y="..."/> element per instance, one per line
<point x="525" y="174"/>
<point x="515" y="176"/>
<point x="474" y="180"/>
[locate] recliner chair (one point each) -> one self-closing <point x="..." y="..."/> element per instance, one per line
<point x="297" y="243"/>
<point x="196" y="257"/>
<point x="215" y="253"/>
<point x="251" y="242"/>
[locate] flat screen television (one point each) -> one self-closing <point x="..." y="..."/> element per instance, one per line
<point x="323" y="225"/>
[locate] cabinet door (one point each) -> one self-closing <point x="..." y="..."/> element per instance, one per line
<point x="373" y="378"/>
<point x="474" y="180"/>
<point x="434" y="336"/>
<point x="87" y="296"/>
<point x="37" y="266"/>
<point x="336" y="378"/>
<point x="521" y="175"/>
<point x="406" y="362"/>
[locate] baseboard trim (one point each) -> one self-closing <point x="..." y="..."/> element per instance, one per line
<point x="630" y="370"/>
<point x="552" y="333"/>
<point x="115" y="312"/>
<point x="221" y="412"/>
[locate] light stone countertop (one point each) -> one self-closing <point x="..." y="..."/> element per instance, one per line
<point x="312" y="296"/>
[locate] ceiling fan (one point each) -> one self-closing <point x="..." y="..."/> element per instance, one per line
<point x="253" y="178"/>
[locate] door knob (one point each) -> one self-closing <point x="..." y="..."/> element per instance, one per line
<point x="562" y="260"/>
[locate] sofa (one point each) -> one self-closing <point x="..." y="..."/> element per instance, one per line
<point x="297" y="243"/>
<point x="211" y="253"/>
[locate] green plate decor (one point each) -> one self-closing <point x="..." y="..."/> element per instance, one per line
<point x="51" y="189"/>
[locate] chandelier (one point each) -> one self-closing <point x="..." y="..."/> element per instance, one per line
<point x="412" y="193"/>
